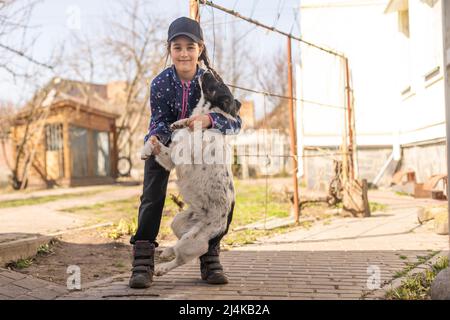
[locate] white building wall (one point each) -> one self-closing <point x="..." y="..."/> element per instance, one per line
<point x="384" y="63"/>
<point x="365" y="35"/>
<point x="422" y="109"/>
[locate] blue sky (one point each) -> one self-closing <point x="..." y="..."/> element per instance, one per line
<point x="55" y="21"/>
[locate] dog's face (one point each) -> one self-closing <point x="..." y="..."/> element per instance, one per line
<point x="218" y="94"/>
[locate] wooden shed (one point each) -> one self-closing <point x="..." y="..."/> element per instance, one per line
<point x="72" y="145"/>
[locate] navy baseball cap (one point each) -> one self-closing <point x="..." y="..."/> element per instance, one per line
<point x="185" y="27"/>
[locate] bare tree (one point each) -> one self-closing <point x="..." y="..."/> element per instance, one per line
<point x="15" y="45"/>
<point x="232" y="58"/>
<point x="7" y="113"/>
<point x="28" y="124"/>
<point x="137" y="47"/>
<point x="127" y="54"/>
<point x="22" y="129"/>
<point x="17" y="60"/>
<point x="273" y="79"/>
<point x="129" y="57"/>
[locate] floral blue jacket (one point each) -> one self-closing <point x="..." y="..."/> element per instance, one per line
<point x="172" y="99"/>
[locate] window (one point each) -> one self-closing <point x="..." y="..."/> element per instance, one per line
<point x="101" y="153"/>
<point x="430" y="43"/>
<point x="89" y="152"/>
<point x="79" y="151"/>
<point x="54" y="155"/>
<point x="53" y="135"/>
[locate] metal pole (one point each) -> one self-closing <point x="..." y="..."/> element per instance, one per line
<point x="445" y="64"/>
<point x="292" y="131"/>
<point x="351" y="172"/>
<point x="194" y="12"/>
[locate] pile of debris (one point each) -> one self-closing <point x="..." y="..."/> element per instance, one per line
<point x="436" y="216"/>
<point x="351" y="193"/>
<point x="435" y="187"/>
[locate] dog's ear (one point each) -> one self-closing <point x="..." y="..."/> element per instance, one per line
<point x="224" y="102"/>
<point x="237" y="105"/>
<point x="229" y="105"/>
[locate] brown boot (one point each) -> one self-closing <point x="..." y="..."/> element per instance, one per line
<point x="143" y="265"/>
<point x="210" y="267"/>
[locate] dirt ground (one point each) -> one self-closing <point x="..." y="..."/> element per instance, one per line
<point x="97" y="256"/>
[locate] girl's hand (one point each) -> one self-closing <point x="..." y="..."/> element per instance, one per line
<point x="151" y="147"/>
<point x="203" y="118"/>
<point x="156" y="147"/>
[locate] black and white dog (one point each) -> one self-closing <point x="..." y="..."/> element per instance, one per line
<point x="204" y="176"/>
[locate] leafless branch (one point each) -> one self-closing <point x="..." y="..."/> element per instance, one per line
<point x="14" y="41"/>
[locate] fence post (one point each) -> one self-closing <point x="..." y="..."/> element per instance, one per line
<point x="292" y="132"/>
<point x="445" y="68"/>
<point x="350" y="117"/>
<point x="194" y="13"/>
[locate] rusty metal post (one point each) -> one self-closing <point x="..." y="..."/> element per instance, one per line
<point x="350" y="132"/>
<point x="292" y="131"/>
<point x="194" y="12"/>
<point x="445" y="69"/>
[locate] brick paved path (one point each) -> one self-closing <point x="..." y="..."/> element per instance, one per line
<point x="266" y="275"/>
<point x="14" y="285"/>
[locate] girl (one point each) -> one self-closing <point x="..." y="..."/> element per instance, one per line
<point x="174" y="94"/>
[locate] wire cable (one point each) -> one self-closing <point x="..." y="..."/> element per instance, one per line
<point x="285" y="97"/>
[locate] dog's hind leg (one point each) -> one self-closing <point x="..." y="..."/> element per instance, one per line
<point x="192" y="245"/>
<point x="181" y="224"/>
<point x="167" y="253"/>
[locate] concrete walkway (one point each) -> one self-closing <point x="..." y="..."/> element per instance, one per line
<point x="24" y="228"/>
<point x="27" y="194"/>
<point x="46" y="218"/>
<point x="346" y="259"/>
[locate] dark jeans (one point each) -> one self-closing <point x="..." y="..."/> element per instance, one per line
<point x="152" y="204"/>
<point x="152" y="201"/>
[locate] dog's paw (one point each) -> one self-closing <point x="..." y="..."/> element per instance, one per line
<point x="164" y="159"/>
<point x="167" y="254"/>
<point x="161" y="269"/>
<point x="180" y="124"/>
<point x="147" y="150"/>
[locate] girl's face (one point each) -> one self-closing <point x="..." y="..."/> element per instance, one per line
<point x="185" y="53"/>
